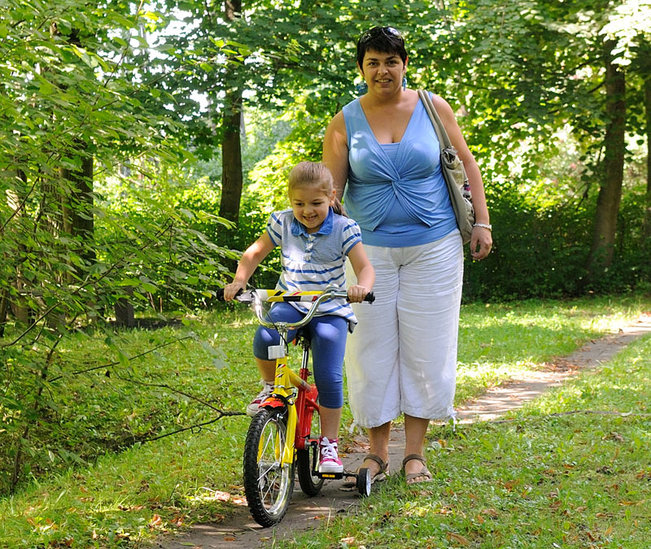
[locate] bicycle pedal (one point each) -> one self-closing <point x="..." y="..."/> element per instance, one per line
<point x="331" y="476"/>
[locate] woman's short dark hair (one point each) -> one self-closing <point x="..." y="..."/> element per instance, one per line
<point x="382" y="39"/>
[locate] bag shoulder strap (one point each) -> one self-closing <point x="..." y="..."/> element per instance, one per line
<point x="444" y="140"/>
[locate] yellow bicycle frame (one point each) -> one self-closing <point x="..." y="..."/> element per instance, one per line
<point x="284" y="381"/>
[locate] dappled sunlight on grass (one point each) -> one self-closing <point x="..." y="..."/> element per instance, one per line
<point x="474" y="379"/>
<point x="488" y="479"/>
<point x="243" y="323"/>
<point x="128" y="496"/>
<point x="498" y="341"/>
<point x="577" y="479"/>
<point x="625" y="382"/>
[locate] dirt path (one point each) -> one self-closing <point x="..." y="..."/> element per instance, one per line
<point x="240" y="531"/>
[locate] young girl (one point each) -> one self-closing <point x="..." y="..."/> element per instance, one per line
<point x="314" y="242"/>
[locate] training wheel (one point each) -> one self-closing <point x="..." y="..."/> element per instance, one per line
<point x="364" y="482"/>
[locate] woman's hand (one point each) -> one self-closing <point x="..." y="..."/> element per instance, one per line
<point x="481" y="242"/>
<point x="357" y="293"/>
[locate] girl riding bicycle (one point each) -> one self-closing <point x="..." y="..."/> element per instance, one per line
<point x="314" y="240"/>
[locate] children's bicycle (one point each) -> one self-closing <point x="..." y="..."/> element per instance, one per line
<point x="284" y="434"/>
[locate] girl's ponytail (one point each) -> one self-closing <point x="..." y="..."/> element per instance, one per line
<point x="338" y="208"/>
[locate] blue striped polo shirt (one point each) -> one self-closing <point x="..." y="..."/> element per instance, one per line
<point x="310" y="262"/>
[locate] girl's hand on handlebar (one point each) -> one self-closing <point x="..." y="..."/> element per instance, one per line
<point x="357" y="293"/>
<point x="230" y="290"/>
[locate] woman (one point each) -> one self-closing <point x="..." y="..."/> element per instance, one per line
<point x="384" y="156"/>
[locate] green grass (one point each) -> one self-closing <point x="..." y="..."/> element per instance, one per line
<point x="127" y="498"/>
<point x="497" y="341"/>
<point x="550" y="477"/>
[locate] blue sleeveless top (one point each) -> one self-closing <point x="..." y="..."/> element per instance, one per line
<point x="396" y="192"/>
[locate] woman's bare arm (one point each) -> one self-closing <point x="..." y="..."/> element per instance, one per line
<point x="335" y="152"/>
<point x="481" y="240"/>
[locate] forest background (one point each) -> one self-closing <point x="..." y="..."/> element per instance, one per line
<point x="143" y="145"/>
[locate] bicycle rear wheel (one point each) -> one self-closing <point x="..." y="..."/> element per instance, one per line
<point x="268" y="484"/>
<point x="307" y="460"/>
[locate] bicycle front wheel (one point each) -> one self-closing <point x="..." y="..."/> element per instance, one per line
<point x="268" y="484"/>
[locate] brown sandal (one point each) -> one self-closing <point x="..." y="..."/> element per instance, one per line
<point x="423" y="474"/>
<point x="379" y="476"/>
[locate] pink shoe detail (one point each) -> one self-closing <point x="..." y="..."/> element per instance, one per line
<point x="329" y="461"/>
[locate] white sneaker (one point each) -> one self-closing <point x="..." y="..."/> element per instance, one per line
<point x="254" y="405"/>
<point x="329" y="461"/>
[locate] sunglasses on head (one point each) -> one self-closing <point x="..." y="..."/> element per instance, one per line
<point x="375" y="32"/>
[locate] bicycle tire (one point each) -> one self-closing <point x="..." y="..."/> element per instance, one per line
<point x="307" y="460"/>
<point x="363" y="482"/>
<point x="268" y="485"/>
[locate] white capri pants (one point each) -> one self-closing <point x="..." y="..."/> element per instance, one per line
<point x="402" y="356"/>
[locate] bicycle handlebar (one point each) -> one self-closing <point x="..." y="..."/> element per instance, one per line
<point x="257" y="297"/>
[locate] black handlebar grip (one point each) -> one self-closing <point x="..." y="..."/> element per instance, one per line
<point x="370" y="297"/>
<point x="220" y="294"/>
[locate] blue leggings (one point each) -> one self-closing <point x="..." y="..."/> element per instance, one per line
<point x="327" y="335"/>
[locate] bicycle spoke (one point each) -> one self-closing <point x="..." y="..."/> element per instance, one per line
<point x="268" y="482"/>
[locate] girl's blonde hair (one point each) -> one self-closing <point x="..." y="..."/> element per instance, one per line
<point x="316" y="174"/>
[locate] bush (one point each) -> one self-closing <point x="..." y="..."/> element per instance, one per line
<point x="542" y="252"/>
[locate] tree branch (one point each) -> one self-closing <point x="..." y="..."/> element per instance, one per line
<point x="86" y="283"/>
<point x="222" y="414"/>
<point x="115" y="363"/>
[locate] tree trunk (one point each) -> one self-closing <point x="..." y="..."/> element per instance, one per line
<point x="124" y="310"/>
<point x="78" y="204"/>
<point x="229" y="206"/>
<point x="18" y="305"/>
<point x="78" y="207"/>
<point x="647" y="105"/>
<point x="610" y="191"/>
<point x="4" y="307"/>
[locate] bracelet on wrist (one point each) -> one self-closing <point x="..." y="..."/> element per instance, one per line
<point x="484" y="226"/>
